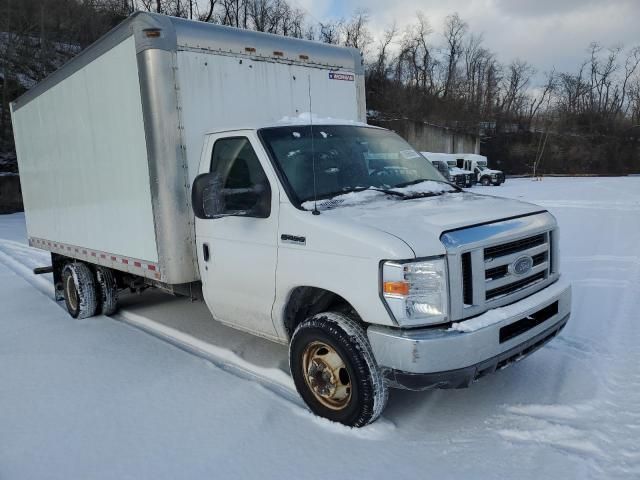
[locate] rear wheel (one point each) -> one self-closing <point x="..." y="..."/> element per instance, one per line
<point x="79" y="290"/>
<point x="107" y="290"/>
<point x="334" y="370"/>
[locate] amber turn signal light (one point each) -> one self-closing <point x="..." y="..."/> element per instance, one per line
<point x="396" y="288"/>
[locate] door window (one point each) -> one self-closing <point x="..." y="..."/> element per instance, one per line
<point x="240" y="176"/>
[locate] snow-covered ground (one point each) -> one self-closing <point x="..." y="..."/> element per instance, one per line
<point x="103" y="398"/>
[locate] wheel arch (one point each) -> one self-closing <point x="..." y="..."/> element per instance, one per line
<point x="306" y="301"/>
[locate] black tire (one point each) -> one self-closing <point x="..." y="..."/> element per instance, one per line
<point x="107" y="290"/>
<point x="485" y="181"/>
<point x="79" y="290"/>
<point x="368" y="392"/>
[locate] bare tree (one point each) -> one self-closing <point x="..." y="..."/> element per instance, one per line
<point x="454" y="31"/>
<point x="544" y="97"/>
<point x="330" y="32"/>
<point x="381" y="64"/>
<point x="514" y="87"/>
<point x="356" y="33"/>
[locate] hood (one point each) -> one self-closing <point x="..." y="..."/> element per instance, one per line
<point x="490" y="171"/>
<point x="421" y="221"/>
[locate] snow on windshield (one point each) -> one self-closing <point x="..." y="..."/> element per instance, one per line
<point x="428" y="186"/>
<point x="371" y="195"/>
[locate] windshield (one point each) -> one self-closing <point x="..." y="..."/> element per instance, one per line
<point x="347" y="158"/>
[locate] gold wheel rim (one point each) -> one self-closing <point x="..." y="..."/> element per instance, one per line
<point x="72" y="295"/>
<point x="326" y="375"/>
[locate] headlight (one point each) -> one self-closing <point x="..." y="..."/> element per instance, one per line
<point x="416" y="291"/>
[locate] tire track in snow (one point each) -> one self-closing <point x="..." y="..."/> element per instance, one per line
<point x="21" y="259"/>
<point x="594" y="430"/>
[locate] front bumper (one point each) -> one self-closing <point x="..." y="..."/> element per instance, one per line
<point x="454" y="357"/>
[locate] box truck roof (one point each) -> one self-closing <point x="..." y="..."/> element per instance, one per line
<point x="155" y="31"/>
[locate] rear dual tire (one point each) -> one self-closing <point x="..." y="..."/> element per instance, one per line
<point x="87" y="294"/>
<point x="79" y="290"/>
<point x="107" y="290"/>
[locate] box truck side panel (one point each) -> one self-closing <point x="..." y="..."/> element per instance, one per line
<point x="83" y="159"/>
<point x="219" y="92"/>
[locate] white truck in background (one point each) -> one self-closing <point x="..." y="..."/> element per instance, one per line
<point x="446" y="164"/>
<point x="478" y="165"/>
<point x="176" y="155"/>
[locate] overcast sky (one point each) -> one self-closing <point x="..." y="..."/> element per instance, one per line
<point x="546" y="33"/>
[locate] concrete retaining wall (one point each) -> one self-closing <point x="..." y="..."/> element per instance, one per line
<point x="10" y="193"/>
<point x="431" y="138"/>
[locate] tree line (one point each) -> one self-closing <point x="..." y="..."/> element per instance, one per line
<point x="440" y="73"/>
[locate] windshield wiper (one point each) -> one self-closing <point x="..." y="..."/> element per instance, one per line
<point x="387" y="191"/>
<point x="423" y="195"/>
<point x="420" y="180"/>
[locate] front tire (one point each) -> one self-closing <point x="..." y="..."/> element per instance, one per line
<point x="334" y="370"/>
<point x="485" y="181"/>
<point x="79" y="290"/>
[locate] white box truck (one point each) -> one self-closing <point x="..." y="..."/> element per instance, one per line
<point x="177" y="155"/>
<point x="442" y="161"/>
<point x="478" y="165"/>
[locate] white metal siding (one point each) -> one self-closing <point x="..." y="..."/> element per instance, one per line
<point x="83" y="159"/>
<point x="219" y="92"/>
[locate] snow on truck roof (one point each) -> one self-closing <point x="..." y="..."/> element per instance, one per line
<point x="303" y="119"/>
<point x="162" y="32"/>
<point x="474" y="156"/>
<point x="439" y="156"/>
<point x="453" y="156"/>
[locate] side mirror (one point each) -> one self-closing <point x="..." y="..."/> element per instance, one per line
<point x="206" y="195"/>
<point x="210" y="200"/>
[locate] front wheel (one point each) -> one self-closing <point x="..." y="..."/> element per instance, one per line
<point x="334" y="370"/>
<point x="485" y="181"/>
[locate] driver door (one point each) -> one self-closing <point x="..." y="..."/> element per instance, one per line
<point x="237" y="252"/>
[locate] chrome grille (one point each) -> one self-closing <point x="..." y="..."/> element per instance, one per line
<point x="480" y="258"/>
<point x="514" y="247"/>
<point x="499" y="281"/>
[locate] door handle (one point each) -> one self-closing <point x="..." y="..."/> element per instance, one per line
<point x="205" y="252"/>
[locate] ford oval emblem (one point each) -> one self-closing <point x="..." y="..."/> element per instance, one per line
<point x="521" y="265"/>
